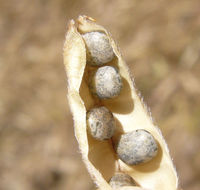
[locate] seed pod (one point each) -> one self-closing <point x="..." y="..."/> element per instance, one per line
<point x="136" y="147"/>
<point x="99" y="50"/>
<point x="106" y="82"/>
<point x="120" y="180"/>
<point x="101" y="123"/>
<point x="99" y="156"/>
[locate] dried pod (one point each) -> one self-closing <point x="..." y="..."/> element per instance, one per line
<point x="129" y="112"/>
<point x="120" y="180"/>
<point x="99" y="50"/>
<point x="106" y="82"/>
<point x="136" y="147"/>
<point x="101" y="123"/>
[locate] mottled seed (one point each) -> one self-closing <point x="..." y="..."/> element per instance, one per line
<point x="101" y="123"/>
<point x="120" y="180"/>
<point x="136" y="147"/>
<point x="106" y="82"/>
<point x="99" y="50"/>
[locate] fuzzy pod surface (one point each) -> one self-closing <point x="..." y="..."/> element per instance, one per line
<point x="128" y="109"/>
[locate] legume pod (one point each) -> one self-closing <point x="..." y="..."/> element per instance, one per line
<point x="128" y="109"/>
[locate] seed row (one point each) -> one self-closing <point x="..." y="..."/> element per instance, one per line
<point x="134" y="147"/>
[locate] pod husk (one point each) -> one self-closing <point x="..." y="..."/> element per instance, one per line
<point x="128" y="109"/>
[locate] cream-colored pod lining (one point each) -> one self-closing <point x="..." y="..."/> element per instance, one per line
<point x="128" y="110"/>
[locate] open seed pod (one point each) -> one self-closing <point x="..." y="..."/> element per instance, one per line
<point x="129" y="112"/>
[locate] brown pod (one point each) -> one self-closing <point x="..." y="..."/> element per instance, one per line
<point x="129" y="112"/>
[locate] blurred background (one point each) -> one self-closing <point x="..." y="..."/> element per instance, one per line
<point x="160" y="41"/>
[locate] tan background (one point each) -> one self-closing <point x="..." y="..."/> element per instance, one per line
<point x="160" y="40"/>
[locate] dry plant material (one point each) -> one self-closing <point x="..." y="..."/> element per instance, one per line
<point x="127" y="108"/>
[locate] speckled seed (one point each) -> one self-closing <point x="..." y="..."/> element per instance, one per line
<point x="106" y="82"/>
<point x="101" y="123"/>
<point x="120" y="180"/>
<point x="136" y="147"/>
<point x="99" y="50"/>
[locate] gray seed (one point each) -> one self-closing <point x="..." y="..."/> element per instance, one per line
<point x="106" y="82"/>
<point x="136" y="147"/>
<point x="120" y="180"/>
<point x="101" y="123"/>
<point x="99" y="50"/>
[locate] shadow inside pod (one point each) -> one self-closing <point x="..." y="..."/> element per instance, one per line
<point x="101" y="155"/>
<point x="89" y="100"/>
<point x="123" y="103"/>
<point x="118" y="132"/>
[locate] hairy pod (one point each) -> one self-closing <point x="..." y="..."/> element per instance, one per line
<point x="129" y="111"/>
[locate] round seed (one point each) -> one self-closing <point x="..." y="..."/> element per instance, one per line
<point x="101" y="123"/>
<point x="136" y="147"/>
<point x="120" y="180"/>
<point x="106" y="82"/>
<point x="99" y="50"/>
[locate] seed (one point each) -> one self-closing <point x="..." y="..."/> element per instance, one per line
<point x="106" y="82"/>
<point x="121" y="179"/>
<point x="101" y="123"/>
<point x="99" y="50"/>
<point x="136" y="147"/>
